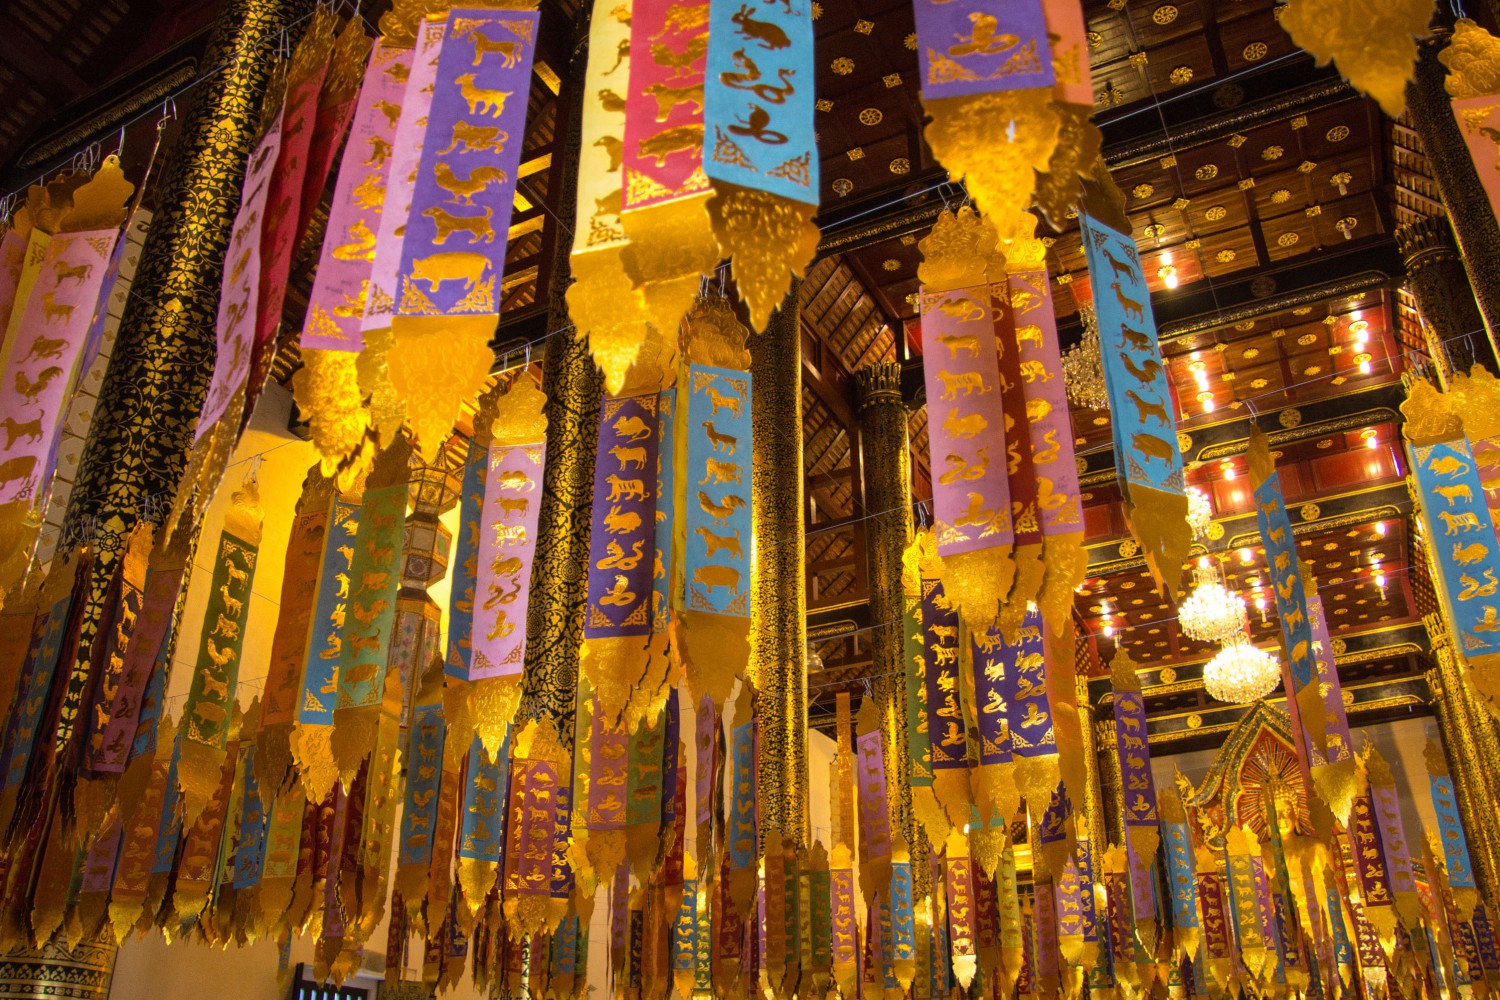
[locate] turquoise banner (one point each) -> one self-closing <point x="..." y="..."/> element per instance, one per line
<point x="717" y="551"/>
<point x="1178" y="843"/>
<point x="320" y="683"/>
<point x="1286" y="580"/>
<point x="483" y="829"/>
<point x="1460" y="533"/>
<point x="466" y="564"/>
<point x="1451" y="828"/>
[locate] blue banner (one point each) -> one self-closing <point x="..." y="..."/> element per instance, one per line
<point x="1286" y="580"/>
<point x="717" y="551"/>
<point x="424" y="775"/>
<point x="1460" y="533"/>
<point x="320" y="682"/>
<point x="742" y="812"/>
<point x="1178" y="842"/>
<point x="483" y="821"/>
<point x="466" y="563"/>
<point x="1451" y="828"/>
<point x="757" y="98"/>
<point x="903" y="916"/>
<point x="1142" y="416"/>
<point x="169" y="825"/>
<point x="249" y="854"/>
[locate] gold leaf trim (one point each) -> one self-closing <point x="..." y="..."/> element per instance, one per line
<point x="769" y="239"/>
<point x="326" y="389"/>
<point x="438" y="364"/>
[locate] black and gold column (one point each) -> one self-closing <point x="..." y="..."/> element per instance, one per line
<point x="778" y="600"/>
<point x="53" y="971"/>
<point x="574" y="387"/>
<point x="886" y="462"/>
<point x="1103" y="816"/>
<point x="1469" y="741"/>
<point x="1435" y="276"/>
<point x="164" y="351"/>
<point x="1427" y="103"/>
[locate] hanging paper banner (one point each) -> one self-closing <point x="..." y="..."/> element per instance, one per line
<point x="902" y="917"/>
<point x="374" y="580"/>
<point x="1059" y="507"/>
<point x="457" y="228"/>
<point x="685" y="932"/>
<point x="424" y="774"/>
<point x="42" y="357"/>
<point x="1055" y="831"/>
<point x="609" y="769"/>
<point x="618" y="618"/>
<point x="1243" y="905"/>
<point x="969" y="49"/>
<point x="482" y="832"/>
<point x="1013" y="932"/>
<point x="1032" y="736"/>
<point x="1138" y="788"/>
<point x="1140" y="396"/>
<point x="13" y="246"/>
<point x="1213" y="891"/>
<point x="1451" y="833"/>
<point x="1021" y="476"/>
<point x="1335" y="774"/>
<point x="283" y="846"/>
<point x="1393" y="844"/>
<point x="874" y="812"/>
<point x="249" y="852"/>
<point x="707" y="782"/>
<point x="845" y="948"/>
<point x="1452" y="502"/>
<point x="1370" y="865"/>
<point x="210" y="700"/>
<point x="1471" y="83"/>
<point x="1180" y="855"/>
<point x="1291" y="594"/>
<point x="914" y="642"/>
<point x="198" y="867"/>
<point x="971" y="497"/>
<point x="759" y="147"/>
<point x="465" y="567"/>
<point x="137" y="852"/>
<point x="643" y="792"/>
<point x="1044" y="921"/>
<point x="507" y="547"/>
<point x="538" y="771"/>
<point x="946" y="724"/>
<point x="994" y="780"/>
<point x="958" y="880"/>
<point x="666" y="519"/>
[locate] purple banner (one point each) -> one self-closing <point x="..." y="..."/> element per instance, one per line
<point x="453" y="250"/>
<point x="234" y="329"/>
<point x="1135" y="759"/>
<point x="337" y="303"/>
<point x="970" y="47"/>
<point x="538" y="827"/>
<point x="1335" y="718"/>
<point x="1046" y="403"/>
<point x="945" y="717"/>
<point x="966" y="428"/>
<point x="622" y="543"/>
<point x="1031" y="733"/>
<point x="874" y="816"/>
<point x="506" y="548"/>
<point x="43" y="360"/>
<point x="994" y="666"/>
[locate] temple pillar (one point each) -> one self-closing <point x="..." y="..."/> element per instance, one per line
<point x="778" y="599"/>
<point x="574" y="388"/>
<point x="887" y="501"/>
<point x="1435" y="276"/>
<point x="1469" y="743"/>
<point x="53" y="971"/>
<point x="164" y="349"/>
<point x="1427" y="103"/>
<point x="1105" y="802"/>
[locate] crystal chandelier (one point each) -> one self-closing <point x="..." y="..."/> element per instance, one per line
<point x="1241" y="673"/>
<point x="1200" y="511"/>
<point x="1083" y="368"/>
<point x="1211" y="613"/>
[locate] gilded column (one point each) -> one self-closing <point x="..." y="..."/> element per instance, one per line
<point x="164" y="350"/>
<point x="1465" y="730"/>
<point x="1104" y="802"/>
<point x="1435" y="275"/>
<point x="778" y="600"/>
<point x="1468" y="206"/>
<point x="53" y="971"/>
<point x="574" y="387"/>
<point x="887" y="496"/>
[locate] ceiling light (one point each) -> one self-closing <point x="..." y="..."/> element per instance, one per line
<point x="1241" y="673"/>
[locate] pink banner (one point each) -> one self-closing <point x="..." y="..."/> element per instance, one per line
<point x="235" y="328"/>
<point x="513" y="498"/>
<point x="337" y="304"/>
<point x="12" y="255"/>
<point x="1070" y="51"/>
<point x="44" y="357"/>
<point x="971" y="495"/>
<point x="1479" y="120"/>
<point x="663" y="156"/>
<point x="380" y="303"/>
<point x="1046" y="403"/>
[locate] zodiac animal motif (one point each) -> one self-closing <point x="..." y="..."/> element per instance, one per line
<point x="719" y="401"/>
<point x="721" y="543"/>
<point x="391" y="111"/>
<point x="1119" y="267"/>
<point x="959" y="342"/>
<point x="611" y="102"/>
<point x="1131" y="306"/>
<point x="479" y="227"/>
<point x="963" y="309"/>
<point x="667" y="98"/>
<point x="679" y="62"/>
<point x="620" y="594"/>
<point x="221" y="657"/>
<point x="510" y="534"/>
<point x="615" y="148"/>
<point x="976" y="515"/>
<point x="628" y="457"/>
<point x="618" y="523"/>
<point x="1489" y="623"/>
<point x="31" y="430"/>
<point x="1448" y="465"/>
<point x="77" y="273"/>
<point x="1144" y="374"/>
<point x="683" y="18"/>
<point x="1034" y="371"/>
<point x="663" y="144"/>
<point x="481" y="99"/>
<point x="632" y="429"/>
<point x="361" y="246"/>
<point x="1454" y="493"/>
<point x="625" y="489"/>
<point x="983" y="38"/>
<point x="451" y="266"/>
<point x="1152" y="446"/>
<point x="720" y="472"/>
<point x="228" y="629"/>
<point x="1144" y="408"/>
<point x="747" y="76"/>
<point x="766" y="33"/>
<point x="52" y="310"/>
<point x="1037" y="410"/>
<point x="366" y="616"/>
<point x="960" y="470"/>
<point x="721" y="442"/>
<point x="463" y="189"/>
<point x="1454" y="523"/>
<point x="44" y="348"/>
<point x="475" y="138"/>
<point x="969" y="382"/>
<point x="508" y="49"/>
<point x="720" y="512"/>
<point x="616" y="558"/>
<point x="964" y="428"/>
<point x="516" y="479"/>
<point x="710" y="577"/>
<point x="1468" y="555"/>
<point x="17" y="469"/>
<point x="1473" y="588"/>
<point x="1030" y="333"/>
<point x="237" y="576"/>
<point x="1135" y="338"/>
<point x="233" y="605"/>
<point x="372" y="583"/>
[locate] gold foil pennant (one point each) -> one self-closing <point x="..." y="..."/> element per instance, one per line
<point x="1373" y="42"/>
<point x="1472" y="56"/>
